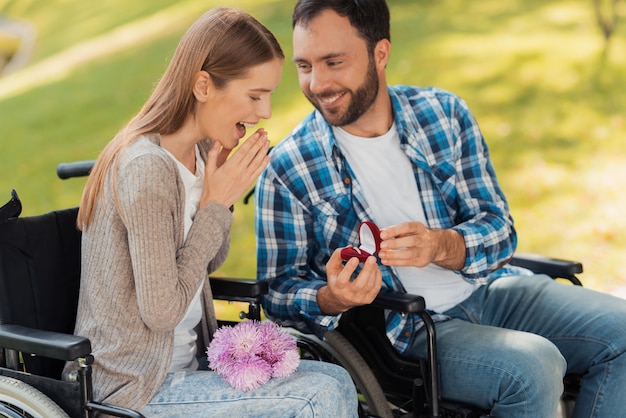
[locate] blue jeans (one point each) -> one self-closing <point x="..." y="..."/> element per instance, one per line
<point x="316" y="389"/>
<point x="511" y="342"/>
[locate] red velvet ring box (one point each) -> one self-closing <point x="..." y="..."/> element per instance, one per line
<point x="369" y="243"/>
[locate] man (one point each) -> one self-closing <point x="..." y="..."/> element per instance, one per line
<point x="414" y="161"/>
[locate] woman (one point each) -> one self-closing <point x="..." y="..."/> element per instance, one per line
<point x="155" y="216"/>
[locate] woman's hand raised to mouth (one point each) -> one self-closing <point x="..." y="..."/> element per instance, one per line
<point x="228" y="179"/>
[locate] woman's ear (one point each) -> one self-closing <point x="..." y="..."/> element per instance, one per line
<point x="202" y="85"/>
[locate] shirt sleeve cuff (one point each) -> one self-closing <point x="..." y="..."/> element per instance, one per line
<point x="307" y="304"/>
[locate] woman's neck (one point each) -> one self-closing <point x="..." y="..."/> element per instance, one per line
<point x="182" y="145"/>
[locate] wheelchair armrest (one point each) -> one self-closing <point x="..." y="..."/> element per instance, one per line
<point x="44" y="343"/>
<point x="397" y="301"/>
<point x="230" y="288"/>
<point x="553" y="267"/>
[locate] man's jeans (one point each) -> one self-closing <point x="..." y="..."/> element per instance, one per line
<point x="511" y="342"/>
<point x="316" y="389"/>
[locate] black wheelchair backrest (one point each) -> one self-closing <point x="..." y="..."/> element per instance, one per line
<point x="40" y="274"/>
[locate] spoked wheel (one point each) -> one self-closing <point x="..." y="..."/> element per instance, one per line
<point x="20" y="400"/>
<point x="336" y="349"/>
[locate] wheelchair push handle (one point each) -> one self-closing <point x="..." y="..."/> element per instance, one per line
<point x="75" y="169"/>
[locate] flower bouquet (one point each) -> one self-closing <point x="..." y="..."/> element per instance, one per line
<point x="251" y="353"/>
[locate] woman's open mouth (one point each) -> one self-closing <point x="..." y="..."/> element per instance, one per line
<point x="242" y="126"/>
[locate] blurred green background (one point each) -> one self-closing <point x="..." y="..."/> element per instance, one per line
<point x="545" y="85"/>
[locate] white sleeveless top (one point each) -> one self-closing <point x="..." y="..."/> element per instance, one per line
<point x="184" y="356"/>
<point x="386" y="176"/>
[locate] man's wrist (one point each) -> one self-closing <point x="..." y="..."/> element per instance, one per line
<point x="324" y="301"/>
<point x="451" y="251"/>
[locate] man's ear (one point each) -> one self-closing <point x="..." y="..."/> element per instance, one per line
<point x="381" y="53"/>
<point x="202" y="85"/>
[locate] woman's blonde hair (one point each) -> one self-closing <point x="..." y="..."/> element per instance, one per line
<point x="224" y="42"/>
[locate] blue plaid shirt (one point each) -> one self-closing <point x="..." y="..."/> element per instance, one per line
<point x="309" y="203"/>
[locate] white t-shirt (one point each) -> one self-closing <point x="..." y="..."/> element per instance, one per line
<point x="386" y="177"/>
<point x="184" y="356"/>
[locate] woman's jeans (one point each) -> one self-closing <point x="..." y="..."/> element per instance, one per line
<point x="511" y="342"/>
<point x="316" y="389"/>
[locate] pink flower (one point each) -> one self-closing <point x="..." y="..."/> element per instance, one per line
<point x="280" y="349"/>
<point x="287" y="365"/>
<point x="248" y="373"/>
<point x="250" y="353"/>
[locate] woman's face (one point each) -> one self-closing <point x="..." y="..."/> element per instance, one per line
<point x="240" y="104"/>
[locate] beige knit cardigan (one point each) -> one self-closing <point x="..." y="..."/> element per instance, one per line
<point x="139" y="275"/>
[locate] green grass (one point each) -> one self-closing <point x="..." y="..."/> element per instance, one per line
<point x="552" y="108"/>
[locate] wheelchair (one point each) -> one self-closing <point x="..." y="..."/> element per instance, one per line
<point x="389" y="385"/>
<point x="392" y="385"/>
<point x="39" y="281"/>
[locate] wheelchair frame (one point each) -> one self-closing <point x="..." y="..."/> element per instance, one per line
<point x="24" y="394"/>
<point x="76" y="398"/>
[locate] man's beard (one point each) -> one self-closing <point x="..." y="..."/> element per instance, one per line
<point x="361" y="100"/>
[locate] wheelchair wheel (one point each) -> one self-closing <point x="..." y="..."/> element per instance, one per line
<point x="20" y="400"/>
<point x="336" y="349"/>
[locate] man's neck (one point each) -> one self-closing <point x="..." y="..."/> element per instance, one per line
<point x="376" y="121"/>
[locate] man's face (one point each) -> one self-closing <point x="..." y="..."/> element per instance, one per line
<point x="335" y="70"/>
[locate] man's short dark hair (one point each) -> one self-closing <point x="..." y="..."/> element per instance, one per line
<point x="369" y="17"/>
